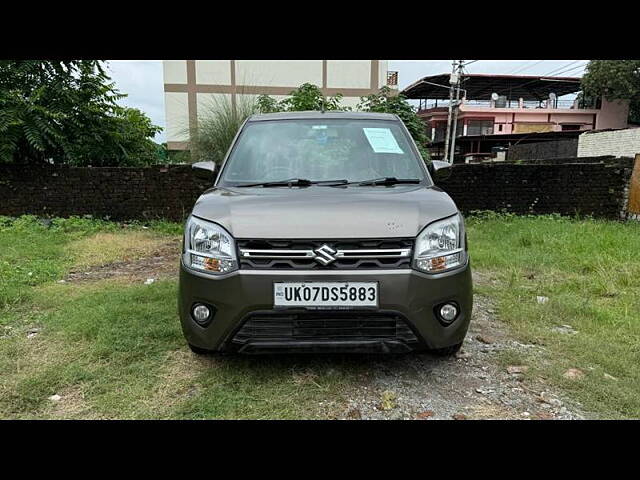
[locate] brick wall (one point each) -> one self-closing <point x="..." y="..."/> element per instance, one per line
<point x="117" y="193"/>
<point x="620" y="143"/>
<point x="540" y="150"/>
<point x="597" y="189"/>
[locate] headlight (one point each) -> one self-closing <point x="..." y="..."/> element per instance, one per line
<point x="440" y="246"/>
<point x="208" y="247"/>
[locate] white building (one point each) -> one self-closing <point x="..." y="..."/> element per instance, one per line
<point x="192" y="86"/>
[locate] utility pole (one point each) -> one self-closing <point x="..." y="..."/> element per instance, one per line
<point x="452" y="82"/>
<point x="454" y="121"/>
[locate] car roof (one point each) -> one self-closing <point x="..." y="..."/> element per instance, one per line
<point x="315" y="115"/>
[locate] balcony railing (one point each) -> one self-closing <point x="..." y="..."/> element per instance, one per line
<point x="559" y="104"/>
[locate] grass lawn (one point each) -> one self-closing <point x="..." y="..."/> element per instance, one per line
<point x="590" y="272"/>
<point x="113" y="348"/>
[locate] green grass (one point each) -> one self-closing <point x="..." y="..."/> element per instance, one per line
<point x="590" y="270"/>
<point x="33" y="252"/>
<point x="115" y="350"/>
<point x="122" y="347"/>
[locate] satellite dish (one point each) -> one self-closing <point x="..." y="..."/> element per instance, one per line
<point x="494" y="96"/>
<point x="552" y="96"/>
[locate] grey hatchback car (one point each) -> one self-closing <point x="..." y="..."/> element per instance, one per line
<point x="324" y="232"/>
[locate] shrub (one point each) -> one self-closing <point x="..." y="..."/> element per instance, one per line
<point x="218" y="126"/>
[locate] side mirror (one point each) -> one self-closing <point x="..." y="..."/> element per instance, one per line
<point x="440" y="170"/>
<point x="204" y="170"/>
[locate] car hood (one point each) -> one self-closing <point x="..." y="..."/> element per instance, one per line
<point x="324" y="212"/>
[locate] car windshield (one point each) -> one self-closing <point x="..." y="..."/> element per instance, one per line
<point x="320" y="150"/>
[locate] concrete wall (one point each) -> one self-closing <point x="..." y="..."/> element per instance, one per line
<point x="598" y="189"/>
<point x="613" y="114"/>
<point x="620" y="143"/>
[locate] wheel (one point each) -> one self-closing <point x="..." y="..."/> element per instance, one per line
<point x="446" y="351"/>
<point x="200" y="351"/>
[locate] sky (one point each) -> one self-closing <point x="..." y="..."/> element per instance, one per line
<point x="142" y="80"/>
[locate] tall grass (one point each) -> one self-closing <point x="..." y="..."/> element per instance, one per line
<point x="218" y="124"/>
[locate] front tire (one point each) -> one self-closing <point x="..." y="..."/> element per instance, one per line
<point x="447" y="351"/>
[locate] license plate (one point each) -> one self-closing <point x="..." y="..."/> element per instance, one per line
<point x="325" y="294"/>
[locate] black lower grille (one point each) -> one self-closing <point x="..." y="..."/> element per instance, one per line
<point x="324" y="326"/>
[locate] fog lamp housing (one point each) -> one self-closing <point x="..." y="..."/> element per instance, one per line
<point x="447" y="312"/>
<point x="202" y="314"/>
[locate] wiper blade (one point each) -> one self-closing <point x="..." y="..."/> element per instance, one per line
<point x="387" y="181"/>
<point x="296" y="182"/>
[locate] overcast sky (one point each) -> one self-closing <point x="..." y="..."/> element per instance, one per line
<point x="142" y="79"/>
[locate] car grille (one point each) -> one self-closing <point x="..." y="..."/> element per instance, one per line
<point x="326" y="325"/>
<point x="390" y="253"/>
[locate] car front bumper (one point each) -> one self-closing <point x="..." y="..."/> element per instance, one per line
<point x="407" y="294"/>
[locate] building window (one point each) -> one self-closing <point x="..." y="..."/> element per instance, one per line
<point x="479" y="127"/>
<point x="440" y="130"/>
<point x="392" y="79"/>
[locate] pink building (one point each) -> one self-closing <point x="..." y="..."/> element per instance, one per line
<point x="497" y="110"/>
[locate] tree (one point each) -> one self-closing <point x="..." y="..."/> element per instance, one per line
<point x="122" y="138"/>
<point x="310" y="97"/>
<point x="306" y="97"/>
<point x="67" y="112"/>
<point x="386" y="101"/>
<point x="615" y="79"/>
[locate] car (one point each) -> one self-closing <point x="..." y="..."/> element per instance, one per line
<point x="324" y="232"/>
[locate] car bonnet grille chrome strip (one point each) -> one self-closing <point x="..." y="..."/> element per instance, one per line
<point x="279" y="254"/>
<point x="369" y="253"/>
<point x="252" y="253"/>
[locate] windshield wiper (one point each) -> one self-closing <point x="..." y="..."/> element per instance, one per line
<point x="387" y="181"/>
<point x="296" y="182"/>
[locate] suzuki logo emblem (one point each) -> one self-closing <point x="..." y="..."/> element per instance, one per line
<point x="325" y="254"/>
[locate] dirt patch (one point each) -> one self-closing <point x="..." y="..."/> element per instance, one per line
<point x="471" y="385"/>
<point x="161" y="263"/>
<point x="71" y="405"/>
<point x="178" y="382"/>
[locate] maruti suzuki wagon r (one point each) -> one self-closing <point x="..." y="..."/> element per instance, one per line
<point x="324" y="232"/>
